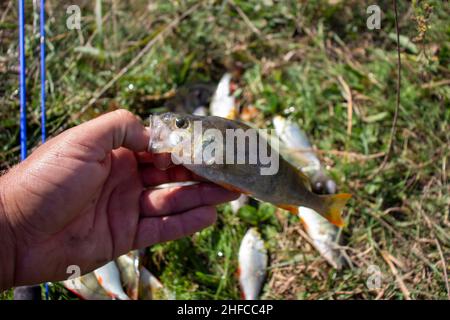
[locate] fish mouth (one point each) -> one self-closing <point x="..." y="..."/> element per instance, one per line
<point x="159" y="135"/>
<point x="150" y="140"/>
<point x="152" y="133"/>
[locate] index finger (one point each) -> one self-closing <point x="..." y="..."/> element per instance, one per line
<point x="162" y="161"/>
<point x="152" y="176"/>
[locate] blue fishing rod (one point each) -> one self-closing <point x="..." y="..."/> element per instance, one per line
<point x="43" y="87"/>
<point x="25" y="292"/>
<point x="22" y="82"/>
<point x="43" y="70"/>
<point x="30" y="292"/>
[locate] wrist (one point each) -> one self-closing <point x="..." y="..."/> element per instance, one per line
<point x="7" y="243"/>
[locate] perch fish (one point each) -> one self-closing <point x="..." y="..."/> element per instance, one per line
<point x="287" y="188"/>
<point x="297" y="149"/>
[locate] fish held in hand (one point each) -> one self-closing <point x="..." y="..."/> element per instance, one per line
<point x="237" y="157"/>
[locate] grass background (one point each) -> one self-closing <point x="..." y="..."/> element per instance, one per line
<point x="302" y="59"/>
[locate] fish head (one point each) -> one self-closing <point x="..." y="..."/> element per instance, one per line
<point x="187" y="137"/>
<point x="169" y="130"/>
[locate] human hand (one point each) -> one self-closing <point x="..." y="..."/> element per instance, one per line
<point x="81" y="199"/>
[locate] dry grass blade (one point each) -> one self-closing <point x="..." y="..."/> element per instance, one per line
<point x="444" y="267"/>
<point x="387" y="257"/>
<point x="347" y="94"/>
<point x="435" y="84"/>
<point x="351" y="156"/>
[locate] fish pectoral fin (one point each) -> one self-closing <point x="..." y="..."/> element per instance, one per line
<point x="292" y="209"/>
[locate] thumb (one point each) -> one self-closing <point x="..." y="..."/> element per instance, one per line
<point x="119" y="128"/>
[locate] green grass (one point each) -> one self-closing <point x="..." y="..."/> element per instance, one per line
<point x="289" y="60"/>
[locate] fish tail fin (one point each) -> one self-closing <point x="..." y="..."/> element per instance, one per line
<point x="333" y="205"/>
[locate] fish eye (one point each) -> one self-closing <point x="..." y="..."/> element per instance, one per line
<point x="318" y="187"/>
<point x="181" y="123"/>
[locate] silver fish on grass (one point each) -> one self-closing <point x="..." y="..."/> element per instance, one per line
<point x="191" y="99"/>
<point x="128" y="265"/>
<point x="297" y="149"/>
<point x="138" y="281"/>
<point x="223" y="103"/>
<point x="323" y="234"/>
<point x="87" y="287"/>
<point x="110" y="281"/>
<point x="150" y="288"/>
<point x="108" y="277"/>
<point x="252" y="264"/>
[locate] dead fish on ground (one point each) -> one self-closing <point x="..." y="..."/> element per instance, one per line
<point x="288" y="187"/>
<point x="252" y="264"/>
<point x="150" y="288"/>
<point x="108" y="277"/>
<point x="192" y="99"/>
<point x="108" y="282"/>
<point x="223" y="103"/>
<point x="324" y="236"/>
<point x="297" y="150"/>
<point x="138" y="281"/>
<point x="128" y="265"/>
<point x="87" y="287"/>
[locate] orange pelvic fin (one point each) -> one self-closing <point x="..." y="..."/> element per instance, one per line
<point x="292" y="209"/>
